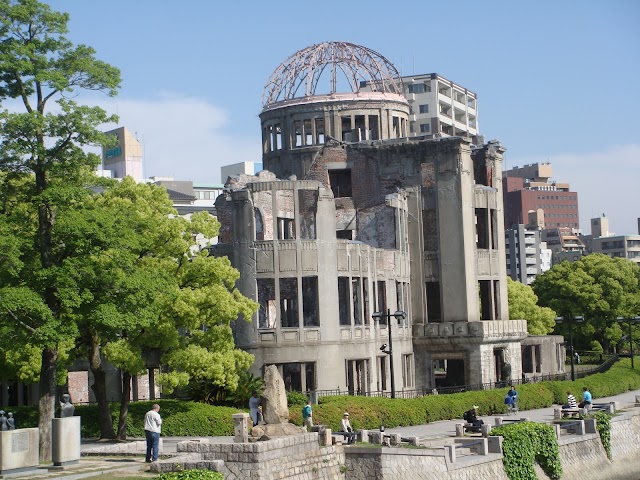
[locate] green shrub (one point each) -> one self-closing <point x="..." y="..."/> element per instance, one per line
<point x="191" y="475"/>
<point x="603" y="424"/>
<point x="296" y="399"/>
<point x="526" y="442"/>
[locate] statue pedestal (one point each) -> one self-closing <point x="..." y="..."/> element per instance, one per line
<point x="65" y="441"/>
<point x="19" y="451"/>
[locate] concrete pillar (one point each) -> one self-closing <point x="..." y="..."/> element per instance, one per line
<point x="556" y="428"/>
<point x="415" y="441"/>
<point x="364" y="436"/>
<point x="240" y="428"/>
<point x="611" y="408"/>
<point x="65" y="440"/>
<point x="395" y="439"/>
<point x="557" y="413"/>
<point x="494" y="444"/>
<point x="498" y="421"/>
<point x="375" y="437"/>
<point x="485" y="429"/>
<point x="483" y="448"/>
<point x="450" y="452"/>
<point x="326" y="437"/>
<point x="590" y="425"/>
<point x="459" y="430"/>
<point x="580" y="430"/>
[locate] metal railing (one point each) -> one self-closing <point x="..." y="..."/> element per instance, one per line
<point x="416" y="393"/>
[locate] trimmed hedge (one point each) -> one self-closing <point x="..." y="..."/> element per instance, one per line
<point x="185" y="418"/>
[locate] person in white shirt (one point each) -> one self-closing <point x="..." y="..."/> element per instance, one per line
<point x="152" y="422"/>
<point x="345" y="426"/>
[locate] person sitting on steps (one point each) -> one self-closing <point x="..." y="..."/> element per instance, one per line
<point x="471" y="416"/>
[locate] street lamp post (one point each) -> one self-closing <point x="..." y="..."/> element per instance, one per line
<point x="570" y="321"/>
<point x="629" y="322"/>
<point x="388" y="349"/>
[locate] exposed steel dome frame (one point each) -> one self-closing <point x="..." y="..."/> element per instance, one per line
<point x="304" y="68"/>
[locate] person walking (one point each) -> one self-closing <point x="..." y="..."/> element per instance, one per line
<point x="254" y="407"/>
<point x="152" y="422"/>
<point x="307" y="416"/>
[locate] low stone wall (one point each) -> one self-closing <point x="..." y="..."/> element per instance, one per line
<point x="120" y="448"/>
<point x="371" y="463"/>
<point x="292" y="457"/>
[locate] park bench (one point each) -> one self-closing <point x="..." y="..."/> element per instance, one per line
<point x="570" y="412"/>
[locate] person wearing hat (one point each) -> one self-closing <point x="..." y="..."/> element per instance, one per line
<point x="471" y="416"/>
<point x="345" y="426"/>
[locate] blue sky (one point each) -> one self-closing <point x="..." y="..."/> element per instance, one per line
<point x="556" y="80"/>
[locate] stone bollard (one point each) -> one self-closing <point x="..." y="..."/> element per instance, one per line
<point x="375" y="437"/>
<point x="637" y="400"/>
<point x="556" y="428"/>
<point x="483" y="448"/>
<point x="498" y="421"/>
<point x="590" y="425"/>
<point x="240" y="429"/>
<point x="524" y="419"/>
<point x="326" y="437"/>
<point x="557" y="413"/>
<point x="459" y="429"/>
<point x="494" y="444"/>
<point x="395" y="439"/>
<point x="450" y="452"/>
<point x="611" y="408"/>
<point x="414" y="441"/>
<point x="363" y="436"/>
<point x="485" y="430"/>
<point x="580" y="428"/>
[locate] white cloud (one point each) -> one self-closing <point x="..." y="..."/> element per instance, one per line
<point x="183" y="137"/>
<point x="606" y="181"/>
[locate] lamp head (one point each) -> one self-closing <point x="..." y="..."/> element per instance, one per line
<point x="383" y="347"/>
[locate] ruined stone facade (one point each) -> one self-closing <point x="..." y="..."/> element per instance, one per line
<point x="352" y="217"/>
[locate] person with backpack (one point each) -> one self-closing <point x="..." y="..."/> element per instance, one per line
<point x="471" y="416"/>
<point x="307" y="416"/>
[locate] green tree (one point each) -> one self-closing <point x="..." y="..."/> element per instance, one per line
<point x="138" y="282"/>
<point x="47" y="171"/>
<point x="596" y="287"/>
<point x="523" y="304"/>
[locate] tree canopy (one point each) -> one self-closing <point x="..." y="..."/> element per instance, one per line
<point x="523" y="304"/>
<point x="596" y="287"/>
<point x="45" y="170"/>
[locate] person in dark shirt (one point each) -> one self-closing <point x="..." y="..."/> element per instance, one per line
<point x="471" y="416"/>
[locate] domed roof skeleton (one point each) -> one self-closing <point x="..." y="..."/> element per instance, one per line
<point x="307" y="65"/>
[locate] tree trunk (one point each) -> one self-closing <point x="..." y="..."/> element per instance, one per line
<point x="99" y="388"/>
<point x="47" y="399"/>
<point x="124" y="406"/>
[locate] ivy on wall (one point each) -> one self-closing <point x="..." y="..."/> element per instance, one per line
<point x="603" y="424"/>
<point x="525" y="443"/>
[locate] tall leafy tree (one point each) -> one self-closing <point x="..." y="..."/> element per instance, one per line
<point x="139" y="282"/>
<point x="596" y="287"/>
<point x="523" y="304"/>
<point x="46" y="170"/>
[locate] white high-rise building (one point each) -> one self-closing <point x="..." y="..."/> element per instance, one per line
<point x="439" y="107"/>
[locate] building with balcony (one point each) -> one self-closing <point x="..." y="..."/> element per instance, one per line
<point x="438" y="107"/>
<point x="530" y="188"/>
<point x="353" y="216"/>
<point x="565" y="244"/>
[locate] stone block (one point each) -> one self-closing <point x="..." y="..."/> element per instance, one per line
<point x="494" y="444"/>
<point x="498" y="421"/>
<point x="590" y="425"/>
<point x="240" y="428"/>
<point x="395" y="439"/>
<point x="65" y="440"/>
<point x="579" y="428"/>
<point x="557" y="413"/>
<point x="483" y="448"/>
<point x="485" y="430"/>
<point x="375" y="437"/>
<point x="450" y="453"/>
<point x="459" y="429"/>
<point x="557" y="430"/>
<point x="364" y="436"/>
<point x="326" y="439"/>
<point x="19" y="449"/>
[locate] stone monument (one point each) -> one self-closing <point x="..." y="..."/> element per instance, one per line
<point x="65" y="434"/>
<point x="275" y="410"/>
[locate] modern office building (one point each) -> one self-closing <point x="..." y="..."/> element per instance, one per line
<point x="525" y="254"/>
<point x="530" y="188"/>
<point x="353" y="220"/>
<point x="438" y="107"/>
<point x="615" y="246"/>
<point x="124" y="158"/>
<point x="565" y="244"/>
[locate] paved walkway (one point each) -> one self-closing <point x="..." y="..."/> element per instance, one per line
<point x="116" y="466"/>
